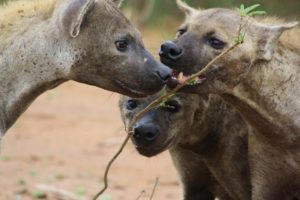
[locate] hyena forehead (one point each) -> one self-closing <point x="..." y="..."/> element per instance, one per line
<point x="193" y="14"/>
<point x="182" y="99"/>
<point x="117" y="22"/>
<point x="215" y="20"/>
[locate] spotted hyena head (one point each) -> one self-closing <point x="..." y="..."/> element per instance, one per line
<point x="108" y="50"/>
<point x="163" y="127"/>
<point x="207" y="33"/>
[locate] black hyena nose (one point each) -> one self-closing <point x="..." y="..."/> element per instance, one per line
<point x="170" y="50"/>
<point x="145" y="133"/>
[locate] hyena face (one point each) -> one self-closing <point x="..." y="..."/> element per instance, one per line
<point x="206" y="33"/>
<point x="163" y="127"/>
<point x="109" y="52"/>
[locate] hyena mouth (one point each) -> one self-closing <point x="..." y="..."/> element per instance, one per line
<point x="154" y="149"/>
<point x="130" y="90"/>
<point x="179" y="78"/>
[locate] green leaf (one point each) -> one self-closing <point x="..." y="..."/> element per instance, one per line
<point x="192" y="82"/>
<point x="163" y="102"/>
<point x="251" y="8"/>
<point x="241" y="37"/>
<point x="242" y="7"/>
<point x="257" y="13"/>
<point x="241" y="10"/>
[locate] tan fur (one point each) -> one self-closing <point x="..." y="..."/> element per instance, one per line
<point x="44" y="43"/>
<point x="261" y="79"/>
<point x="17" y="16"/>
<point x="290" y="38"/>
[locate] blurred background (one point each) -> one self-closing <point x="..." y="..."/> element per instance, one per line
<point x="65" y="139"/>
<point x="164" y="12"/>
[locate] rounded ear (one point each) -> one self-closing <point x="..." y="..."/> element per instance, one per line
<point x="188" y="10"/>
<point x="118" y="2"/>
<point x="73" y="15"/>
<point x="268" y="36"/>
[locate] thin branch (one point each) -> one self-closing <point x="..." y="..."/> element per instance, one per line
<point x="239" y="40"/>
<point x="141" y="194"/>
<point x="152" y="105"/>
<point x="154" y="188"/>
<point x="171" y="93"/>
<point x="110" y="164"/>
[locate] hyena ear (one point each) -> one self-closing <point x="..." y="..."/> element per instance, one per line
<point x="267" y="38"/>
<point x="73" y="15"/>
<point x="188" y="10"/>
<point x="118" y="2"/>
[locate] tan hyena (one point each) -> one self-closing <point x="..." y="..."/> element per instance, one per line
<point x="207" y="139"/>
<point x="45" y="43"/>
<point x="260" y="78"/>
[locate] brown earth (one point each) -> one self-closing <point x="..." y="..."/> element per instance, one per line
<point x="66" y="138"/>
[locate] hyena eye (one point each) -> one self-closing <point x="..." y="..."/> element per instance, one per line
<point x="131" y="104"/>
<point x="172" y="106"/>
<point x="216" y="43"/>
<point x="121" y="45"/>
<point x="181" y="31"/>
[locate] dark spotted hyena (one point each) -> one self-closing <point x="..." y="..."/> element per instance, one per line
<point x="207" y="140"/>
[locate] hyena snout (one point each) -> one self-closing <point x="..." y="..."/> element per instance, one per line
<point x="170" y="50"/>
<point x="164" y="73"/>
<point x="144" y="134"/>
<point x="161" y="72"/>
<point x="148" y="139"/>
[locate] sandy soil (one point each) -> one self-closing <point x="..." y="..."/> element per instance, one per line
<point x="65" y="140"/>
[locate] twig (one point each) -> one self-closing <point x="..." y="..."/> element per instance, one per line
<point x="171" y="93"/>
<point x="105" y="179"/>
<point x="154" y="188"/>
<point x="168" y="95"/>
<point x="61" y="194"/>
<point x="141" y="194"/>
<point x="151" y="106"/>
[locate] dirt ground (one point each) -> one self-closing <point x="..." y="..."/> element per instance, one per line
<point x="65" y="139"/>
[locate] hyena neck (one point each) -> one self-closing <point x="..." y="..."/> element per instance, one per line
<point x="267" y="99"/>
<point x="30" y="65"/>
<point x="208" y="120"/>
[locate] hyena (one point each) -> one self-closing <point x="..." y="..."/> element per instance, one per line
<point x="45" y="43"/>
<point x="260" y="78"/>
<point x="207" y="139"/>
